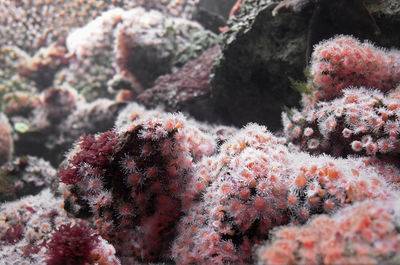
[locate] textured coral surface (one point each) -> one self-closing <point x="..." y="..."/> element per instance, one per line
<point x="89" y="176"/>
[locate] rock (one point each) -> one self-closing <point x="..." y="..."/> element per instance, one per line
<point x="213" y="14"/>
<point x="250" y="81"/>
<point x="187" y="89"/>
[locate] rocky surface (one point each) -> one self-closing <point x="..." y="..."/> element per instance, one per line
<point x="187" y="89"/>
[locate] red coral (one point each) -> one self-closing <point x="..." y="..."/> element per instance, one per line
<point x="71" y="244"/>
<point x="94" y="152"/>
<point x="14" y="234"/>
<point x="135" y="194"/>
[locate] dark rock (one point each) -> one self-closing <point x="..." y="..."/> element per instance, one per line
<point x="187" y="89"/>
<point x="209" y="20"/>
<point x="212" y="14"/>
<point x="387" y="16"/>
<point x="250" y="82"/>
<point x="221" y="7"/>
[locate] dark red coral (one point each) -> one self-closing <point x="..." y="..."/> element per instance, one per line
<point x="14" y="234"/>
<point x="95" y="152"/>
<point x="71" y="244"/>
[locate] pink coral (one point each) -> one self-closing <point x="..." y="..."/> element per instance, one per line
<point x="364" y="233"/>
<point x="361" y="122"/>
<point x="255" y="184"/>
<point x="343" y="62"/>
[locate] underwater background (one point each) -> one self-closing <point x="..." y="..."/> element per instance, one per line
<point x="199" y="132"/>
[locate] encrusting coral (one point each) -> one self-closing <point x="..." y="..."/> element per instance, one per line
<point x="145" y="186"/>
<point x="131" y="180"/>
<point x="255" y="184"/>
<point x="343" y="62"/>
<point x="354" y="104"/>
<point x="364" y="233"/>
<point x="33" y="24"/>
<point x="25" y="176"/>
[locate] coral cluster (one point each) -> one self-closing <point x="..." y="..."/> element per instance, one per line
<point x="41" y="68"/>
<point x="72" y="244"/>
<point x="36" y="230"/>
<point x="365" y="233"/>
<point x="344" y="62"/>
<point x="144" y="186"/>
<point x="135" y="44"/>
<point x="349" y="111"/>
<point x="26" y="225"/>
<point x="131" y="180"/>
<point x="33" y="24"/>
<point x="10" y="80"/>
<point x="25" y="176"/>
<point x="255" y="184"/>
<point x="362" y="121"/>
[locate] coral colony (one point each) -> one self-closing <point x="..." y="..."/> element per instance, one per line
<point x="88" y="175"/>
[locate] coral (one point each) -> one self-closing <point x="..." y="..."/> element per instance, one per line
<point x="25" y="176"/>
<point x="343" y="62"/>
<point x="20" y="103"/>
<point x="41" y="68"/>
<point x="150" y="44"/>
<point x="364" y="233"/>
<point x="346" y="111"/>
<point x="36" y="229"/>
<point x="25" y="226"/>
<point x="55" y="104"/>
<point x="72" y="244"/>
<point x="255" y="184"/>
<point x="131" y="180"/>
<point x="91" y="51"/>
<point x="41" y="111"/>
<point x="362" y="121"/>
<point x="136" y="44"/>
<point x="34" y="24"/>
<point x="6" y="139"/>
<point x="10" y="82"/>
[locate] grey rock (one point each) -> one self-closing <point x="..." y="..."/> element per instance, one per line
<point x="250" y="82"/>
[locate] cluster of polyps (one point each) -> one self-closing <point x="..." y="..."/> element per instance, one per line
<point x="364" y="233"/>
<point x="344" y="62"/>
<point x="255" y="184"/>
<point x="362" y="121"/>
<point x="131" y="180"/>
